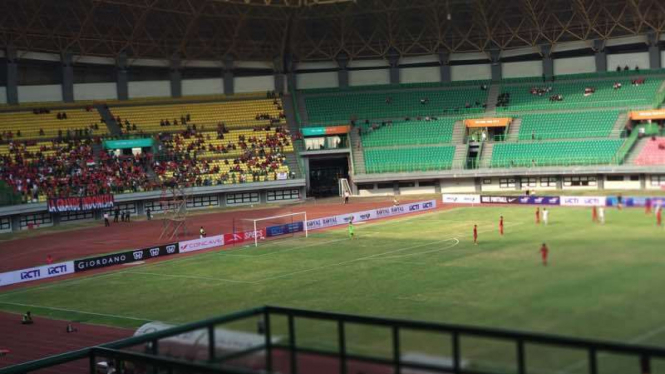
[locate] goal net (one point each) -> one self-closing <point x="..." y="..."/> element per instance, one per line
<point x="276" y="227"/>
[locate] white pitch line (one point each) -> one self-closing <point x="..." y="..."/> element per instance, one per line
<point x="77" y="311"/>
<point x="191" y="277"/>
<point x="350" y="261"/>
<point x="638" y="339"/>
<point x="426" y="252"/>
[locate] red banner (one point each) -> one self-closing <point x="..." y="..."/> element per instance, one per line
<point x="80" y="204"/>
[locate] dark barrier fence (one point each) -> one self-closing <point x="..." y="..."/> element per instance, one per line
<point x="290" y="351"/>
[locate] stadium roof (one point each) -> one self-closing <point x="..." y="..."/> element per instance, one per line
<point x="310" y="30"/>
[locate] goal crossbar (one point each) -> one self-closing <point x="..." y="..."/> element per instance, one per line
<point x="255" y="222"/>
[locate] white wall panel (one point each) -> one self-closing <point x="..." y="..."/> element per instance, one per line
<point x="3" y="95"/>
<point x="640" y="59"/>
<point x="575" y="65"/>
<point x="254" y="84"/>
<point x="317" y="80"/>
<point x="367" y="63"/>
<point x="95" y="91"/>
<point x="149" y="89"/>
<point x="522" y="69"/>
<point x="369" y="77"/>
<point x="417" y="75"/>
<point x="207" y="86"/>
<point x="470" y="72"/>
<point x="33" y="94"/>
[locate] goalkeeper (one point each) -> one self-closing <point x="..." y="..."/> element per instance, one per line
<point x="351" y="229"/>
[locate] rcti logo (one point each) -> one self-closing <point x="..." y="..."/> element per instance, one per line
<point x="32" y="274"/>
<point x="154" y="252"/>
<point x="170" y="249"/>
<point x="415" y="207"/>
<point x="57" y="269"/>
<point x="138" y="255"/>
<point x="428" y="205"/>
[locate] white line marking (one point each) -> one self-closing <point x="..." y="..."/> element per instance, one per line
<point x="426" y="252"/>
<point x="65" y="282"/>
<point x="351" y="261"/>
<point x="638" y="339"/>
<point x="191" y="277"/>
<point x="77" y="311"/>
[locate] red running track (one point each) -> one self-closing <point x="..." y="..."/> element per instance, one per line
<point x="47" y="337"/>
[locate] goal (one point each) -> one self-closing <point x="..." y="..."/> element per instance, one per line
<point x="275" y="227"/>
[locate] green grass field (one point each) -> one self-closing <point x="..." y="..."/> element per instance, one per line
<point x="603" y="282"/>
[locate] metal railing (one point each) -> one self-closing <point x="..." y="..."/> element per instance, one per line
<point x="285" y="355"/>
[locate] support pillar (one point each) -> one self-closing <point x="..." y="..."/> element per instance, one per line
<point x="445" y="66"/>
<point x="601" y="55"/>
<point x="175" y="75"/>
<point x="12" y="76"/>
<point x="654" y="51"/>
<point x="548" y="63"/>
<point x="229" y="85"/>
<point x="393" y="60"/>
<point x="122" y="77"/>
<point x="342" y="72"/>
<point x="279" y="76"/>
<point x="495" y="57"/>
<point x="67" y="75"/>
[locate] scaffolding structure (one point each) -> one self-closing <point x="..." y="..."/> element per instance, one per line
<point x="174" y="205"/>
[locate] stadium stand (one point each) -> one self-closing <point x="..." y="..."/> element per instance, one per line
<point x="46" y="124"/>
<point x="394" y="104"/>
<point x="407" y="132"/>
<point x="169" y="117"/>
<point x="39" y="170"/>
<point x="633" y="93"/>
<point x="409" y="159"/>
<point x="653" y="152"/>
<point x="567" y="125"/>
<point x="553" y="153"/>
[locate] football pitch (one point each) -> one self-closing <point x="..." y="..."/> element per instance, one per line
<point x="603" y="282"/>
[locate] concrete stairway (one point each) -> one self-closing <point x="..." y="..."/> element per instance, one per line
<point x="486" y="155"/>
<point x="619" y="125"/>
<point x="636" y="150"/>
<point x="302" y="110"/>
<point x="357" y="153"/>
<point x="97" y="150"/>
<point x="113" y="127"/>
<point x="459" y="159"/>
<point x="514" y="130"/>
<point x="458" y="132"/>
<point x="291" y="123"/>
<point x="492" y="97"/>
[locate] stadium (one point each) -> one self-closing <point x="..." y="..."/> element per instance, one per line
<point x="332" y="186"/>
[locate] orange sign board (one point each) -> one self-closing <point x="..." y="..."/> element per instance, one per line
<point x="648" y="114"/>
<point x="487" y="122"/>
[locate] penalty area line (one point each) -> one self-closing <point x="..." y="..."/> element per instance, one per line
<point x="77" y="311"/>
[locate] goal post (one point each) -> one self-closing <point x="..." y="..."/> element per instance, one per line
<point x="275" y="227"/>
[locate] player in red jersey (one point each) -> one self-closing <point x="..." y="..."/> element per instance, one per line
<point x="475" y="234"/>
<point x="594" y="214"/>
<point x="537" y="215"/>
<point x="659" y="216"/>
<point x="501" y="226"/>
<point x="544" y="251"/>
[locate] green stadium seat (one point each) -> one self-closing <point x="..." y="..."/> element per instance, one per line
<point x="567" y="125"/>
<point x="565" y="153"/>
<point x="409" y="159"/>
